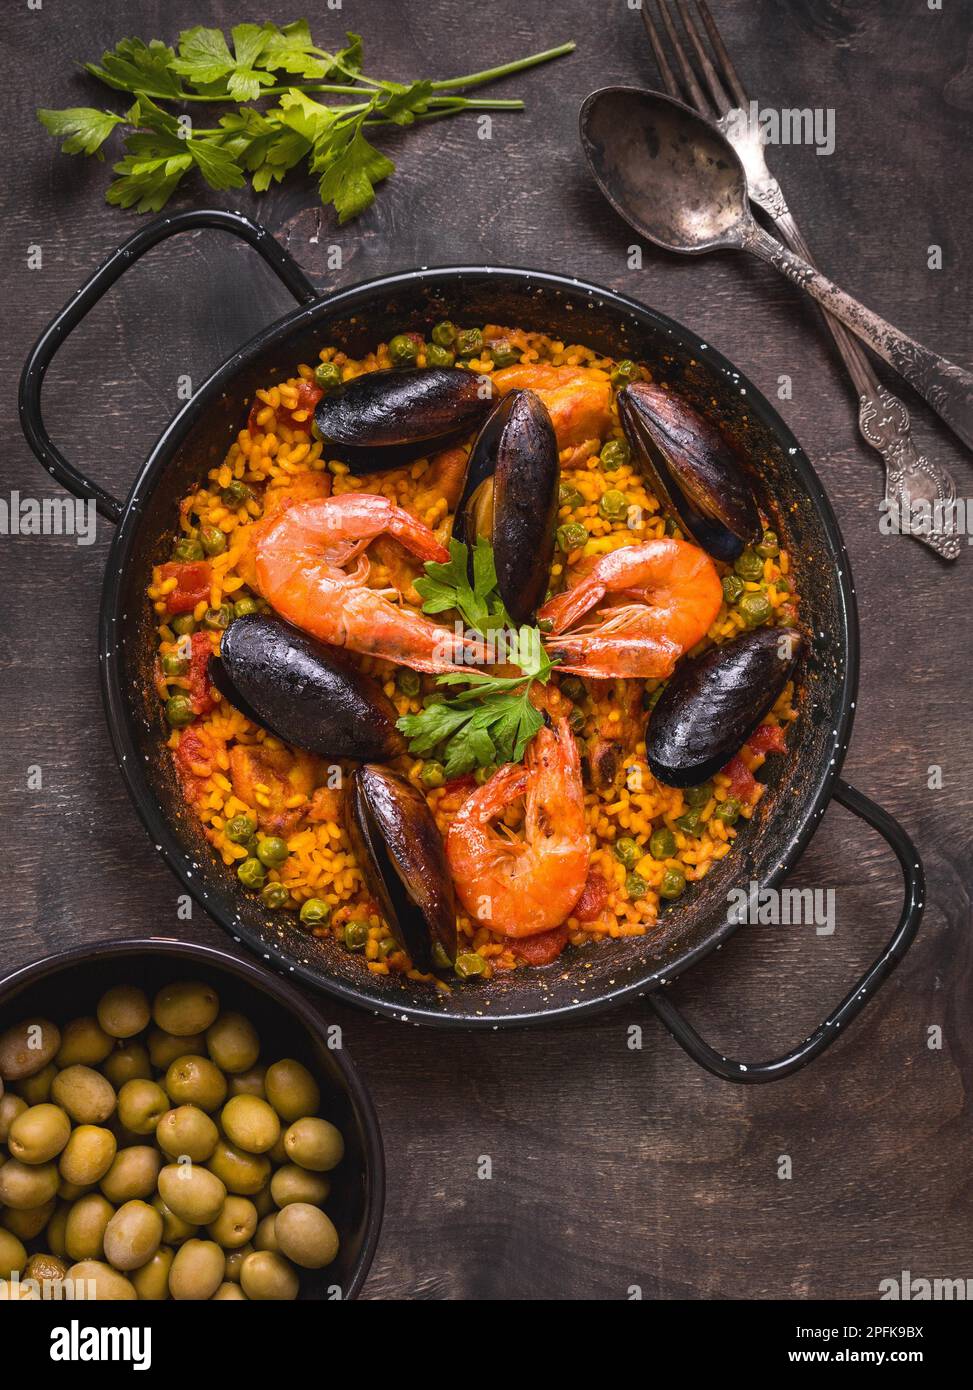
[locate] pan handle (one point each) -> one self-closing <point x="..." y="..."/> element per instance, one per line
<point x="751" y="1073"/>
<point x="42" y="353"/>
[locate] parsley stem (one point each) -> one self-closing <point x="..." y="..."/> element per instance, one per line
<point x="476" y="79"/>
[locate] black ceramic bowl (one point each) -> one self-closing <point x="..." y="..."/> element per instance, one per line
<point x="69" y="984"/>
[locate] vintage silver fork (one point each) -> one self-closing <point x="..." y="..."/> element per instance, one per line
<point x="910" y="477"/>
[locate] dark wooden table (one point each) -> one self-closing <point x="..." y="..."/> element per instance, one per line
<point x="611" y="1167"/>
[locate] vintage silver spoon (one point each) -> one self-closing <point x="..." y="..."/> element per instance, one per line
<point x="678" y="181"/>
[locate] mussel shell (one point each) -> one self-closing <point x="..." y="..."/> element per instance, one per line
<point x="714" y="702"/>
<point x="384" y="419"/>
<point x="515" y="455"/>
<point x="687" y="460"/>
<point x="402" y="855"/>
<point x="310" y="695"/>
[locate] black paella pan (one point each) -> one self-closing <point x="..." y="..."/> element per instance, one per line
<point x="801" y="783"/>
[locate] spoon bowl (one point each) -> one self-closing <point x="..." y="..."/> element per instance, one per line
<point x="668" y="172"/>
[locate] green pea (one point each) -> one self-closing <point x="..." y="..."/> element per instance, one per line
<point x="327" y="375"/>
<point x="236" y="494"/>
<point x="439" y="356"/>
<point x="469" y="963"/>
<point x="244" y="607"/>
<point x="403" y="350"/>
<point x="504" y="354"/>
<point x="213" y="540"/>
<point x="636" y="886"/>
<point x="387" y="947"/>
<point x="769" y="547"/>
<point x="577" y="720"/>
<point x="689" y="823"/>
<point x="440" y="956"/>
<point x="469" y="342"/>
<point x="673" y="884"/>
<point x="628" y="851"/>
<point x="356" y="935"/>
<point x="572" y="537"/>
<point x="272" y="851"/>
<point x="251" y="873"/>
<point x="728" y="811"/>
<point x="613" y="505"/>
<point x="408" y="681"/>
<point x="673" y="529"/>
<point x="569" y="497"/>
<point x="615" y="454"/>
<point x="183" y="624"/>
<point x="218" y="619"/>
<point x="755" y="608"/>
<point x="749" y="566"/>
<point x="444" y="334"/>
<point x="187" y="550"/>
<point x="483" y="774"/>
<point x="173" y="665"/>
<point x="239" y="829"/>
<point x="179" y="711"/>
<point x="662" y="843"/>
<point x="697" y="797"/>
<point x="274" y="895"/>
<point x="315" y="912"/>
<point x="623" y="372"/>
<point x="732" y="587"/>
<point x="432" y="774"/>
<point x="574" y="688"/>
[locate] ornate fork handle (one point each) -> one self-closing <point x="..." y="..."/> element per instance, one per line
<point x="882" y="417"/>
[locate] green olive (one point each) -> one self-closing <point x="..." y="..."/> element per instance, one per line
<point x="84" y="1230"/>
<point x="187" y="550"/>
<point x="185" y="1008"/>
<point x="36" y="1089"/>
<point x="27" y="1225"/>
<point x="292" y="1184"/>
<point x="628" y="851"/>
<point x="242" y="1173"/>
<point x="212" y="539"/>
<point x="403" y="350"/>
<point x="232" y="1043"/>
<point x="314" y="1143"/>
<point x="10" y="1107"/>
<point x="248" y="1083"/>
<point x="47" y="1268"/>
<point x="315" y="912"/>
<point x="151" y="1281"/>
<point x="141" y="1105"/>
<point x="24" y="1186"/>
<point x="636" y="886"/>
<point x="133" y="1174"/>
<point x="240" y="829"/>
<point x="133" y="1235"/>
<point x="87" y="1096"/>
<point x="306" y="1235"/>
<point x="187" y="1132"/>
<point x="27" y="1048"/>
<point x="174" y="1229"/>
<point x="108" y="1284"/>
<point x="13" y="1256"/>
<point x="165" y="1048"/>
<point x="39" y="1134"/>
<point x="251" y="873"/>
<point x="54" y="1236"/>
<point x="266" y="1276"/>
<point x="662" y="843"/>
<point x="234" y="1262"/>
<point x="327" y="375"/>
<point x="124" y="1011"/>
<point x="88" y="1155"/>
<point x="127" y="1063"/>
<point x="444" y="333"/>
<point x="192" y="1192"/>
<point x="673" y="883"/>
<point x="229" y="1292"/>
<point x="250" y="1124"/>
<point x="235" y="1224"/>
<point x="615" y="454"/>
<point x="84" y="1043"/>
<point x="272" y="851"/>
<point x="265" y="1236"/>
<point x="195" y="1081"/>
<point x="292" y="1090"/>
<point x="179" y="711"/>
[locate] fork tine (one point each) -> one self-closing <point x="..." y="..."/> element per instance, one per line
<point x="718" y="92"/>
<point x="722" y="57"/>
<point x="665" y="71"/>
<point x="696" y="93"/>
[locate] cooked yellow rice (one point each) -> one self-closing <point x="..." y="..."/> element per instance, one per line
<point x="320" y="863"/>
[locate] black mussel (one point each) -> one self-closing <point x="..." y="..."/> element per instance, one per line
<point x="308" y="694"/>
<point x="402" y="855"/>
<point x="688" y="462"/>
<point x="384" y="419"/>
<point x="714" y="702"/>
<point x="510" y="497"/>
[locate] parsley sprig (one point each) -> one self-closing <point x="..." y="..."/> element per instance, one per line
<point x="260" y="61"/>
<point x="493" y="719"/>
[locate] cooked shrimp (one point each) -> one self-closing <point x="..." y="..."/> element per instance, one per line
<point x="577" y="398"/>
<point x="677" y="595"/>
<point x="300" y="559"/>
<point x="524" y="886"/>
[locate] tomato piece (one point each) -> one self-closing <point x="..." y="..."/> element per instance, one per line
<point x="769" y="738"/>
<point x="308" y="396"/>
<point x="542" y="948"/>
<point x="593" y="898"/>
<point x="192" y="584"/>
<point x="743" y="784"/>
<point x="201" y="691"/>
<point x="194" y="761"/>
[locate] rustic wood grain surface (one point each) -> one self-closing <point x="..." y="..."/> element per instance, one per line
<point x="611" y="1168"/>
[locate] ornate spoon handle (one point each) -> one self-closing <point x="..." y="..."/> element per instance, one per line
<point x="946" y="387"/>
